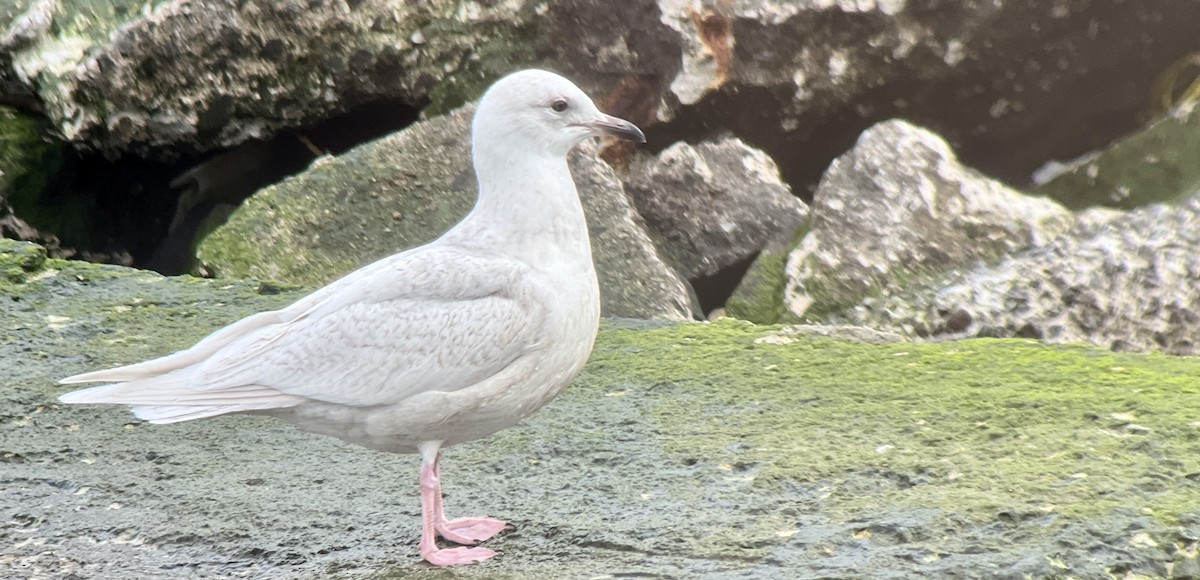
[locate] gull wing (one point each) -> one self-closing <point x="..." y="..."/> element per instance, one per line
<point x="433" y="318"/>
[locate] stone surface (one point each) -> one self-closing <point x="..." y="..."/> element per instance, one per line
<point x="900" y="206"/>
<point x="1160" y="163"/>
<point x="1010" y="84"/>
<point x="405" y="190"/>
<point x="186" y="77"/>
<point x="690" y="450"/>
<point x="795" y="78"/>
<point x="1132" y="283"/>
<point x="714" y="204"/>
<point x="758" y="296"/>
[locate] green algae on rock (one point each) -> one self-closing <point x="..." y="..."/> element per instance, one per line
<point x="712" y="450"/>
<point x="758" y="297"/>
<point x="1159" y="164"/>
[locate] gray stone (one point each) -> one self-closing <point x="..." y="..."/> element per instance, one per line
<point x="405" y="190"/>
<point x="899" y="206"/>
<point x="188" y="77"/>
<point x="1132" y="284"/>
<point x="714" y="204"/>
<point x="790" y="334"/>
<point x="795" y="78"/>
<point x="1010" y="84"/>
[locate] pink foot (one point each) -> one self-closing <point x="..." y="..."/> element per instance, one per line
<point x="456" y="556"/>
<point x="469" y="530"/>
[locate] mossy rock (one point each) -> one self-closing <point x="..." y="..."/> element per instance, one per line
<point x="1159" y="164"/>
<point x="758" y="297"/>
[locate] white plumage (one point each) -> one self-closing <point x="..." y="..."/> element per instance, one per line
<point x="441" y="344"/>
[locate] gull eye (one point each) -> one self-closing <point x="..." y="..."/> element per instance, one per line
<point x="559" y="105"/>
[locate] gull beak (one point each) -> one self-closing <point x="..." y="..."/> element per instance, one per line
<point x="620" y="128"/>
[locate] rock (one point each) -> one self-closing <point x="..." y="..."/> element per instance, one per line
<point x="758" y="296"/>
<point x="1160" y="163"/>
<point x="1010" y="84"/>
<point x="794" y="79"/>
<point x="189" y="77"/>
<point x="635" y="282"/>
<point x="713" y="205"/>
<point x="20" y="259"/>
<point x="29" y="165"/>
<point x="405" y="190"/>
<point x="684" y="450"/>
<point x="788" y="334"/>
<point x="899" y="206"/>
<point x="1128" y="285"/>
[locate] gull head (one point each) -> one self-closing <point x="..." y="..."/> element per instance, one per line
<point x="541" y="112"/>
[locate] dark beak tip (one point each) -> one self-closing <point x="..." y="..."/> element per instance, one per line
<point x="620" y="129"/>
<point x="629" y="132"/>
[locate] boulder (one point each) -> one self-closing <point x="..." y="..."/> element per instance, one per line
<point x="405" y="190"/>
<point x="1131" y="284"/>
<point x="186" y="77"/>
<point x="714" y="204"/>
<point x="898" y="207"/>
<point x="795" y="79"/>
<point x="1010" y="84"/>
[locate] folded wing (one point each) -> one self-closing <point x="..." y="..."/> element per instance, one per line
<point x="428" y="319"/>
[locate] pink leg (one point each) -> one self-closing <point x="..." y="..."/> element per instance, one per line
<point x="461" y="530"/>
<point x="431" y="513"/>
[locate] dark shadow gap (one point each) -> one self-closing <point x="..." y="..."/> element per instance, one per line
<point x="210" y="191"/>
<point x="714" y="290"/>
<point x="149" y="214"/>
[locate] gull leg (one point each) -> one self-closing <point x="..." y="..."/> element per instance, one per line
<point x="461" y="530"/>
<point x="431" y="512"/>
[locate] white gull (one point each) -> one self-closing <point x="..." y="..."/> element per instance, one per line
<point x="441" y="344"/>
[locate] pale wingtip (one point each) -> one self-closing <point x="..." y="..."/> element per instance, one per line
<point x="110" y="375"/>
<point x="88" y="395"/>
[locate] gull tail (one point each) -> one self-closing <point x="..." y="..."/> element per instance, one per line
<point x="172" y="398"/>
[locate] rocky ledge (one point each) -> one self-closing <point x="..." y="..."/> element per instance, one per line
<point x="714" y="450"/>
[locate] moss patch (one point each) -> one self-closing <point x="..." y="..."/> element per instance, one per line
<point x="1160" y="163"/>
<point x="979" y="426"/>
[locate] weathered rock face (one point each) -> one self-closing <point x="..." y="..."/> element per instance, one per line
<point x="188" y="77"/>
<point x="192" y="76"/>
<point x="1132" y="283"/>
<point x="792" y="78"/>
<point x="899" y="206"/>
<point x="405" y="190"/>
<point x="714" y="204"/>
<point x="1009" y="83"/>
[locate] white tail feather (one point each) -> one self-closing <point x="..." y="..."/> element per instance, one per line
<point x="171" y="398"/>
